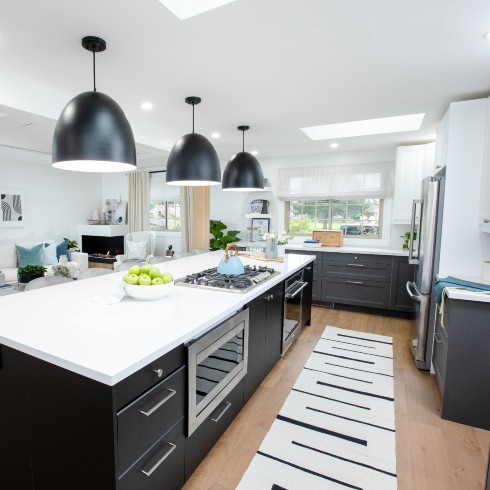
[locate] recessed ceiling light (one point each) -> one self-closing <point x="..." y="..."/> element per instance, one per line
<point x="255" y="152"/>
<point x="183" y="9"/>
<point x="382" y="125"/>
<point x="487" y="35"/>
<point x="147" y="106"/>
<point x="334" y="145"/>
<point x="215" y="135"/>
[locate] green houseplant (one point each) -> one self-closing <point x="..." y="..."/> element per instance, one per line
<point x="61" y="270"/>
<point x="406" y="237"/>
<point x="29" y="272"/>
<point x="72" y="244"/>
<point x="219" y="240"/>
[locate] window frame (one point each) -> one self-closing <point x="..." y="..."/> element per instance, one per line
<point x="167" y="201"/>
<point x="379" y="236"/>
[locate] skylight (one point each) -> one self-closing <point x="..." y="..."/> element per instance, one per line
<point x="383" y="125"/>
<point x="184" y="9"/>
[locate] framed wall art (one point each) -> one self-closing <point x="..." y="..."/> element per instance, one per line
<point x="262" y="225"/>
<point x="12" y="212"/>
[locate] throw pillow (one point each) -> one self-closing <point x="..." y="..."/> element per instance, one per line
<point x="30" y="256"/>
<point x="49" y="254"/>
<point x="62" y="249"/>
<point x="136" y="250"/>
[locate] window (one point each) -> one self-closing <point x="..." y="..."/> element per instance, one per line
<point x="165" y="215"/>
<point x="360" y="217"/>
<point x="164" y="204"/>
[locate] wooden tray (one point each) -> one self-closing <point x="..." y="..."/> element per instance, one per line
<point x="329" y="238"/>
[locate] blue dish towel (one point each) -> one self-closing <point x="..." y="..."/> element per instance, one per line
<point x="454" y="282"/>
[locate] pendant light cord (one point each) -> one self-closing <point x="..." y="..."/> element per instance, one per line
<point x="243" y="141"/>
<point x="93" y="52"/>
<point x="193" y="118"/>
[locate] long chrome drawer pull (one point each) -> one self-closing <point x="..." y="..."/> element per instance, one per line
<point x="227" y="406"/>
<point x="438" y="337"/>
<point x="353" y="282"/>
<point x="355" y="265"/>
<point x="160" y="461"/>
<point x="292" y="295"/>
<point x="159" y="404"/>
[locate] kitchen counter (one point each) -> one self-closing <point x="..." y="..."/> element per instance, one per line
<point x="467" y="295"/>
<point x="63" y="324"/>
<point x="351" y="249"/>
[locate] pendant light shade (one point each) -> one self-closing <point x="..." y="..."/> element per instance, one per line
<point x="193" y="160"/>
<point x="243" y="171"/>
<point x="92" y="133"/>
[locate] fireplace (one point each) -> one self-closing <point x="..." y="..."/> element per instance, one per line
<point x="102" y="249"/>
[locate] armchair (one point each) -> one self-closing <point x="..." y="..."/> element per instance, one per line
<point x="135" y="250"/>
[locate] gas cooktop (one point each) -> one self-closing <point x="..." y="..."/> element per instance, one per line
<point x="252" y="277"/>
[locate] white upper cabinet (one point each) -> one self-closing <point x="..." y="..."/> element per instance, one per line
<point x="413" y="164"/>
<point x="442" y="138"/>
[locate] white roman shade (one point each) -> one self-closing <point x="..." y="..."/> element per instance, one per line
<point x="336" y="181"/>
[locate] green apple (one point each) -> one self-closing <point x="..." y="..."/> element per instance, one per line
<point x="155" y="272"/>
<point x="167" y="277"/>
<point x="146" y="268"/>
<point x="131" y="278"/>
<point x="144" y="280"/>
<point x="156" y="281"/>
<point x="134" y="269"/>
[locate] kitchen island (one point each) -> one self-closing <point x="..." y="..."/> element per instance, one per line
<point x="92" y="393"/>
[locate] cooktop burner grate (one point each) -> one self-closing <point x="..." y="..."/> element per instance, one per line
<point x="240" y="283"/>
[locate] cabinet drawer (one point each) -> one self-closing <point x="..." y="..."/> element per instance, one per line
<point x="140" y="424"/>
<point x="130" y="388"/>
<point x="163" y="464"/>
<point x="205" y="436"/>
<point x="352" y="258"/>
<point x="356" y="292"/>
<point x="359" y="271"/>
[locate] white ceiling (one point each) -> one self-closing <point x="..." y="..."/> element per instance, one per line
<point x="276" y="65"/>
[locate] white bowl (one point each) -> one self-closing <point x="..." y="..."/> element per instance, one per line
<point x="148" y="293"/>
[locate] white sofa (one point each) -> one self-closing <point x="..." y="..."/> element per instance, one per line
<point x="9" y="263"/>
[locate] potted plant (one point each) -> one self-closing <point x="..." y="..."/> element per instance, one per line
<point x="72" y="244"/>
<point x="29" y="272"/>
<point x="406" y="237"/>
<point x="61" y="270"/>
<point x="219" y="241"/>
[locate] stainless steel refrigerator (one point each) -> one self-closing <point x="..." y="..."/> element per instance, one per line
<point x="424" y="249"/>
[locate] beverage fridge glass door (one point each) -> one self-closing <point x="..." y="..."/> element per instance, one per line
<point x="293" y="302"/>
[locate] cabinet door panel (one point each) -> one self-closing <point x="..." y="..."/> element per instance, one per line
<point x="402" y="272"/>
<point x="307" y="295"/>
<point x="203" y="439"/>
<point x="256" y="345"/>
<point x="275" y="308"/>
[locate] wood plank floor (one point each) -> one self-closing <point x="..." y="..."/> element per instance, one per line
<point x="431" y="453"/>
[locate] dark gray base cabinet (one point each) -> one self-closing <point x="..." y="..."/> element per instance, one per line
<point x="462" y="362"/>
<point x="61" y="430"/>
<point x="361" y="280"/>
<point x="265" y="337"/>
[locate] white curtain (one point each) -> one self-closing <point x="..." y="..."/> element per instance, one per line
<point x="186" y="206"/>
<point x="336" y="181"/>
<point x="139" y="201"/>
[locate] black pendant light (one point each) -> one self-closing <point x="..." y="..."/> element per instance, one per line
<point x="193" y="159"/>
<point x="243" y="172"/>
<point x="92" y="133"/>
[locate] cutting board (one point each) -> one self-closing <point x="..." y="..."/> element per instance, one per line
<point x="261" y="257"/>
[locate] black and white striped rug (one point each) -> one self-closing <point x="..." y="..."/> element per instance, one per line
<point x="336" y="429"/>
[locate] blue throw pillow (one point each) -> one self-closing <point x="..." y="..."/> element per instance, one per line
<point x="30" y="256"/>
<point x="62" y="249"/>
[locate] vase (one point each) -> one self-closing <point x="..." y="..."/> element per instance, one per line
<point x="281" y="249"/>
<point x="271" y="248"/>
<point x="63" y="260"/>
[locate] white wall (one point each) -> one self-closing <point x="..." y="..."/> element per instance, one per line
<point x="55" y="202"/>
<point x="464" y="247"/>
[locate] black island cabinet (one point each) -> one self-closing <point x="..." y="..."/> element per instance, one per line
<point x="62" y="430"/>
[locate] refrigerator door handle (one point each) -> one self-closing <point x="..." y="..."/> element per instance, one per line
<point x="413" y="229"/>
<point x="417" y="296"/>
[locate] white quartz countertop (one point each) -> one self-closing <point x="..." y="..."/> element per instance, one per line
<point x="66" y="327"/>
<point x="467" y="295"/>
<point x="351" y="249"/>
